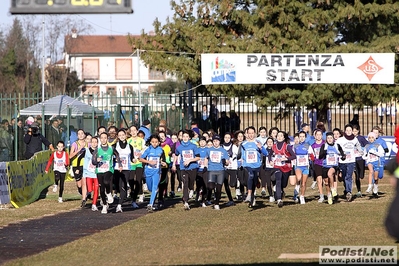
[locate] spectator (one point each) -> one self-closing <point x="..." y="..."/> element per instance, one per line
<point x="54" y="133"/>
<point x="155" y="120"/>
<point x="34" y="140"/>
<point x="312" y="119"/>
<point x="380" y="113"/>
<point x="174" y="117"/>
<point x="204" y="119"/>
<point x="62" y="128"/>
<point x="20" y="139"/>
<point x="5" y="142"/>
<point x="329" y="119"/>
<point x="298" y="118"/>
<point x="223" y="124"/>
<point x="355" y="120"/>
<point x="235" y="121"/>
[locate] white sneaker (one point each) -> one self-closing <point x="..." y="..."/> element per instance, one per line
<point x="55" y="188"/>
<point x="272" y="199"/>
<point x="186" y="206"/>
<point x="334" y="192"/>
<point x="178" y="189"/>
<point x="302" y="199"/>
<point x="238" y="192"/>
<point x="321" y="199"/>
<point x="314" y="184"/>
<point x="60" y="200"/>
<point x="110" y="199"/>
<point x="134" y="205"/>
<point x="274" y="188"/>
<point x="204" y="205"/>
<point x="248" y="198"/>
<point x="369" y="188"/>
<point x="141" y="198"/>
<point x="191" y="194"/>
<point x="104" y="210"/>
<point x="253" y="202"/>
<point x="375" y="189"/>
<point x="119" y="208"/>
<point x="94" y="208"/>
<point x="145" y="187"/>
<point x="216" y="207"/>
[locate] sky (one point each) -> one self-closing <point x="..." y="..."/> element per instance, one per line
<point x="145" y="12"/>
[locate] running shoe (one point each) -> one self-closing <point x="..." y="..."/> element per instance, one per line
<point x="253" y="202"/>
<point x="272" y="199"/>
<point x="238" y="192"/>
<point x="295" y="198"/>
<point x="171" y="194"/>
<point x="330" y="200"/>
<point x="280" y="203"/>
<point x="348" y="196"/>
<point x="302" y="199"/>
<point x="375" y="189"/>
<point x="314" y="184"/>
<point x="83" y="204"/>
<point x="359" y="194"/>
<point x="334" y="192"/>
<point x="179" y="189"/>
<point x="230" y="203"/>
<point x="88" y="195"/>
<point x="248" y="198"/>
<point x="141" y="198"/>
<point x="60" y="200"/>
<point x="191" y="194"/>
<point x="94" y="208"/>
<point x="119" y="208"/>
<point x="55" y="188"/>
<point x="321" y="199"/>
<point x="216" y="207"/>
<point x="149" y="208"/>
<point x="105" y="209"/>
<point x="134" y="205"/>
<point x="110" y="199"/>
<point x="204" y="205"/>
<point x="369" y="188"/>
<point x="145" y="187"/>
<point x="186" y="206"/>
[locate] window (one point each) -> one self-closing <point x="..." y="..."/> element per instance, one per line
<point x="92" y="90"/>
<point x="123" y="68"/>
<point x="156" y="75"/>
<point x="128" y="90"/>
<point x="91" y="69"/>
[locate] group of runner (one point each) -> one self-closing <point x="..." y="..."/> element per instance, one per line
<point x="123" y="161"/>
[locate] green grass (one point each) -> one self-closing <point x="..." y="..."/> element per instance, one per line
<point x="233" y="235"/>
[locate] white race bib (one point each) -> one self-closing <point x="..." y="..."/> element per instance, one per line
<point x="302" y="160"/>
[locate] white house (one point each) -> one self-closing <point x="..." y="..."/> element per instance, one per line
<point x="109" y="66"/>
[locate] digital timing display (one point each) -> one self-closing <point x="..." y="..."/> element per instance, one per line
<point x="19" y="7"/>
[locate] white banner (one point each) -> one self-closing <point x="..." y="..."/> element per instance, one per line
<point x="4" y="193"/>
<point x="367" y="68"/>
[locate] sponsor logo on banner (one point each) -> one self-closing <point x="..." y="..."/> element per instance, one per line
<point x="223" y="71"/>
<point x="370" y="68"/>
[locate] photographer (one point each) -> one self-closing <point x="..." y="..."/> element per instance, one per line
<point x="34" y="140"/>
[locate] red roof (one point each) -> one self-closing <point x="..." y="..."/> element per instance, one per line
<point x="98" y="44"/>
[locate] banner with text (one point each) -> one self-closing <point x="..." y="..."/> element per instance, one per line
<point x="28" y="179"/>
<point x="4" y="188"/>
<point x="367" y="68"/>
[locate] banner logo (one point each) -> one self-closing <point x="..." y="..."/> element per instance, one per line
<point x="371" y="255"/>
<point x="370" y="68"/>
<point x="223" y="71"/>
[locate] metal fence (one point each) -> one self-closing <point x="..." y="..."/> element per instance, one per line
<point x="123" y="110"/>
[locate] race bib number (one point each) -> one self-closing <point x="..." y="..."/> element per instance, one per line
<point x="124" y="162"/>
<point x="348" y="156"/>
<point x="302" y="160"/>
<point x="156" y="166"/>
<point x="187" y="155"/>
<point x="104" y="167"/>
<point x="332" y="159"/>
<point x="91" y="168"/>
<point x="201" y="163"/>
<point x="215" y="156"/>
<point x="269" y="164"/>
<point x="137" y="154"/>
<point x="373" y="158"/>
<point x="59" y="164"/>
<point x="316" y="152"/>
<point x="251" y="157"/>
<point x="357" y="153"/>
<point x="278" y="160"/>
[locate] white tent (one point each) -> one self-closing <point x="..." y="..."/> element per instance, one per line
<point x="58" y="106"/>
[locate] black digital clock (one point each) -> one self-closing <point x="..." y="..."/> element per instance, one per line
<point x="19" y="7"/>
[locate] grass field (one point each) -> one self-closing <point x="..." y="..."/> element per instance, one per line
<point x="234" y="235"/>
